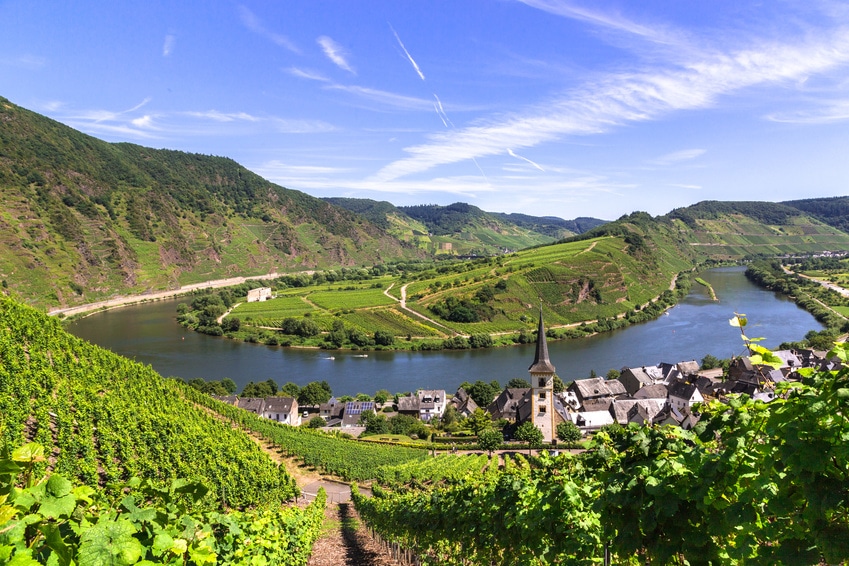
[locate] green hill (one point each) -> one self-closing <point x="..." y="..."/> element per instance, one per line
<point x="833" y="211"/>
<point x="82" y="219"/>
<point x="103" y="418"/>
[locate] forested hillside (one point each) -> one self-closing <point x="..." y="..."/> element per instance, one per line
<point x="463" y="229"/>
<point x="833" y="211"/>
<point x="82" y="219"/>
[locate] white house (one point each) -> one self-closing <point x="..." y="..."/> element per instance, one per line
<point x="260" y="294"/>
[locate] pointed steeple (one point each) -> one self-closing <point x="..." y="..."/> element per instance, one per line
<point x="541" y="362"/>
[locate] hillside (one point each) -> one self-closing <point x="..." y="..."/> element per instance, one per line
<point x="463" y="229"/>
<point x="104" y="419"/>
<point x="833" y="211"/>
<point x="82" y="219"/>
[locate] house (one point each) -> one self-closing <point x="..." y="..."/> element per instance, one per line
<point x="653" y="391"/>
<point x="507" y="404"/>
<point x="282" y="409"/>
<point x="596" y="388"/>
<point x="682" y="396"/>
<point x="353" y="410"/>
<point x="620" y="410"/>
<point x="635" y="378"/>
<point x="591" y="420"/>
<point x="431" y="403"/>
<point x="331" y="412"/>
<point x="260" y="294"/>
<point x="252" y="404"/>
<point x="463" y="403"/>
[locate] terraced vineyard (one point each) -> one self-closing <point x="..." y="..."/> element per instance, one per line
<point x="343" y="457"/>
<point x="104" y="419"/>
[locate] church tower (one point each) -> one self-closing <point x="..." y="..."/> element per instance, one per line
<point x="542" y="387"/>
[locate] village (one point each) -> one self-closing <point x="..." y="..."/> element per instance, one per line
<point x="662" y="394"/>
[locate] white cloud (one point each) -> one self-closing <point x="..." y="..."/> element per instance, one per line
<point x="217" y="116"/>
<point x="307" y="74"/>
<point x="168" y="45"/>
<point x="834" y="111"/>
<point x="678" y="156"/>
<point x="630" y="97"/>
<point x="385" y="98"/>
<point x="335" y="53"/>
<point x="253" y="23"/>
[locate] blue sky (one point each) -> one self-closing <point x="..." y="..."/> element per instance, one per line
<point x="545" y="107"/>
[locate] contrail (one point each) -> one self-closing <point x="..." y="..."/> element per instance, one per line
<point x="438" y="113"/>
<point x="407" y="53"/>
<point x="513" y="154"/>
<point x="441" y="111"/>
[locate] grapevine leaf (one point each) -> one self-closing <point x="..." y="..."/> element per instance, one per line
<point x="7" y="513"/>
<point x="58" y="486"/>
<point x="162" y="543"/>
<point x="195" y="489"/>
<point x="109" y="543"/>
<point x="56" y="507"/>
<point x="53" y="539"/>
<point x="23" y="559"/>
<point x="8" y="467"/>
<point x="29" y="453"/>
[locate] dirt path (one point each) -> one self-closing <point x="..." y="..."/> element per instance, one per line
<point x="346" y="541"/>
<point x="158" y="296"/>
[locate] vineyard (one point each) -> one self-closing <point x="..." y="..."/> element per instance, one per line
<point x="343" y="457"/>
<point x="104" y="419"/>
<point x="755" y="483"/>
<point x="53" y="522"/>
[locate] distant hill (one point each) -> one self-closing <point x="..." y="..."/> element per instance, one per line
<point x="464" y="229"/>
<point x="733" y="230"/>
<point x="82" y="219"/>
<point x="834" y="211"/>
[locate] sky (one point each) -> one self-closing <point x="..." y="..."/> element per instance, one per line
<point x="545" y="107"/>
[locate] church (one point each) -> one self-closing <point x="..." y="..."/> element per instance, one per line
<point x="544" y="412"/>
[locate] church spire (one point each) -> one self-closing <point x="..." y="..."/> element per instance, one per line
<point x="541" y="362"/>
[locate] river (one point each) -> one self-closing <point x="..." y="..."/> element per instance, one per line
<point x="697" y="326"/>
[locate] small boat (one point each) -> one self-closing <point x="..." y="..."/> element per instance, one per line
<point x="330" y="358"/>
<point x="360" y="356"/>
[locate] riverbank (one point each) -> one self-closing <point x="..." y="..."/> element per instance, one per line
<point x="126" y="300"/>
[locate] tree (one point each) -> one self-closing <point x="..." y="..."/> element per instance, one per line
<point x="612" y="374"/>
<point x="710" y="362"/>
<point x="383" y="338"/>
<point x="374" y="423"/>
<point x="479" y="421"/>
<point x="518" y="383"/>
<point x="290" y="390"/>
<point x="569" y="433"/>
<point x="482" y="392"/>
<point x="558" y="386"/>
<point x="229" y="385"/>
<point x="362" y="397"/>
<point x="489" y="440"/>
<point x="528" y="432"/>
<point x="480" y="340"/>
<point x="317" y="422"/>
<point x="381" y="396"/>
<point x="267" y="388"/>
<point x="314" y="393"/>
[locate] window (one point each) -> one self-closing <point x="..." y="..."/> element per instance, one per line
<point x="542" y="409"/>
<point x="541" y="382"/>
<point x="542" y="396"/>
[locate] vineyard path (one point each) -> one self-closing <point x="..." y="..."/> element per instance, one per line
<point x="344" y="541"/>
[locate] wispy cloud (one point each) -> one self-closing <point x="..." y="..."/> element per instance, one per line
<point x="217" y="116"/>
<point x="678" y="156"/>
<point x="407" y="53"/>
<point x="631" y="97"/>
<point x="253" y="23"/>
<point x="168" y="45"/>
<point x="655" y="33"/>
<point x="513" y="154"/>
<point x="385" y="98"/>
<point x="335" y="53"/>
<point x="27" y="61"/>
<point x="833" y="111"/>
<point x="307" y="74"/>
<point x="684" y="186"/>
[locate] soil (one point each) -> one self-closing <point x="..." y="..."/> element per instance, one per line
<point x="347" y="542"/>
